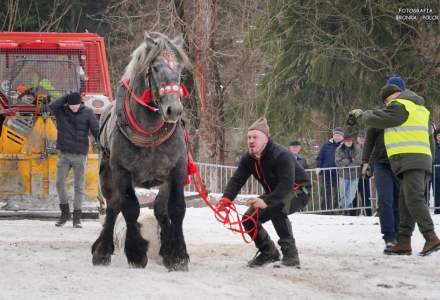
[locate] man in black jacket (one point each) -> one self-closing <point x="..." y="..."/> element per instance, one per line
<point x="74" y="121"/>
<point x="275" y="168"/>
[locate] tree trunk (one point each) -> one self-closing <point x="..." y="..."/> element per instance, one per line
<point x="211" y="130"/>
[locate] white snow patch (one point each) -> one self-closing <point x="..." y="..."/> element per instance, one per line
<point x="341" y="258"/>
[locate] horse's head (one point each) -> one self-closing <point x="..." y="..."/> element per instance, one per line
<point x="160" y="62"/>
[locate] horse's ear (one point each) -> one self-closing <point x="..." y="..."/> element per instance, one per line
<point x="178" y="41"/>
<point x="149" y="40"/>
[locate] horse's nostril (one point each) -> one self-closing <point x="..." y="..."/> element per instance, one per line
<point x="169" y="110"/>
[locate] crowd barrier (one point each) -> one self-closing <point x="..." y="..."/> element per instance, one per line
<point x="333" y="190"/>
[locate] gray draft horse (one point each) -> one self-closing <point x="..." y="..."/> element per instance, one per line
<point x="143" y="145"/>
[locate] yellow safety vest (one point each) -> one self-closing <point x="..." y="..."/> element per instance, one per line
<point x="413" y="135"/>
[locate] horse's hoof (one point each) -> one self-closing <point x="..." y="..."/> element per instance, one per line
<point x="176" y="264"/>
<point x="101" y="260"/>
<point x="142" y="263"/>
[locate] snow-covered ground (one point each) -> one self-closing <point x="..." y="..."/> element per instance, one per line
<point x="341" y="259"/>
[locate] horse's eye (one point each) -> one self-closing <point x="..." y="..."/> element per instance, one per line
<point x="155" y="69"/>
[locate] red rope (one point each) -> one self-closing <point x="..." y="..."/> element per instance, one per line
<point x="229" y="215"/>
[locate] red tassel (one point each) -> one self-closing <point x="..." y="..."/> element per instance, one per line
<point x="192" y="168"/>
<point x="185" y="90"/>
<point x="146" y="97"/>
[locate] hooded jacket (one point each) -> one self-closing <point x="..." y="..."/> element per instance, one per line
<point x="395" y="114"/>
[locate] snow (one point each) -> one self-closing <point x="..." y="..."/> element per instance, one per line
<point x="341" y="258"/>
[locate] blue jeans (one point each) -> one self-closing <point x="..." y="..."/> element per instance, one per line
<point x="387" y="185"/>
<point x="347" y="191"/>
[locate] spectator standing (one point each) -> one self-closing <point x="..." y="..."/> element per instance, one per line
<point x="387" y="185"/>
<point x="348" y="159"/>
<point x="295" y="148"/>
<point x="326" y="168"/>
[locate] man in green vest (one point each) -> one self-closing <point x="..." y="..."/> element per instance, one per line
<point x="410" y="145"/>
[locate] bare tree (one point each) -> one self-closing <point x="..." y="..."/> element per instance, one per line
<point x="211" y="130"/>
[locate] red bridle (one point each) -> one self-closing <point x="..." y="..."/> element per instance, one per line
<point x="147" y="98"/>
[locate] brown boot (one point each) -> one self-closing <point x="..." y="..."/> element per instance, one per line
<point x="403" y="247"/>
<point x="432" y="243"/>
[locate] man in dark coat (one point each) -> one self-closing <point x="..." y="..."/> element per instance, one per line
<point x="274" y="167"/>
<point x="74" y="122"/>
<point x="295" y="148"/>
<point x="326" y="168"/>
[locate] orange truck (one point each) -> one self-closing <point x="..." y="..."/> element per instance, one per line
<point x="36" y="67"/>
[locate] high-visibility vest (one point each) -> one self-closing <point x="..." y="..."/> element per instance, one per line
<point x="46" y="84"/>
<point x="413" y="135"/>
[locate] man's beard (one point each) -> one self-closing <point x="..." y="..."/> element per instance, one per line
<point x="255" y="152"/>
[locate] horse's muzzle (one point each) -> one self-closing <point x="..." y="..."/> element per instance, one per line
<point x="172" y="112"/>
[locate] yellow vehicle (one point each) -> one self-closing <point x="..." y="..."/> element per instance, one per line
<point x="35" y="68"/>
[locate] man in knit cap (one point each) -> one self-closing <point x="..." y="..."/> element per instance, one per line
<point x="277" y="171"/>
<point x="74" y="122"/>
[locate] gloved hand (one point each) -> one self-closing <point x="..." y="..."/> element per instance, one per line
<point x="223" y="203"/>
<point x="352" y="116"/>
<point x="356" y="113"/>
<point x="366" y="170"/>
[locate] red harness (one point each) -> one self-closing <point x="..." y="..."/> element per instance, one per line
<point x="146" y="99"/>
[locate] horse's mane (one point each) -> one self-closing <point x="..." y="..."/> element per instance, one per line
<point x="142" y="57"/>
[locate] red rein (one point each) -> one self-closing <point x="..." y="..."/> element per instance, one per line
<point x="229" y="216"/>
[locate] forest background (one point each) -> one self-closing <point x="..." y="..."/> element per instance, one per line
<point x="301" y="64"/>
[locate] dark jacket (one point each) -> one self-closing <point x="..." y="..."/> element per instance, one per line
<point x="73" y="128"/>
<point x="374" y="151"/>
<point x="348" y="157"/>
<point x="275" y="171"/>
<point x="301" y="161"/>
<point x="437" y="155"/>
<point x="395" y="114"/>
<point x="326" y="159"/>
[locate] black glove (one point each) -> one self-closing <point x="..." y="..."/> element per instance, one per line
<point x="351" y="120"/>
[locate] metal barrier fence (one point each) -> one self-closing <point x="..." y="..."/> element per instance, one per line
<point x="334" y="190"/>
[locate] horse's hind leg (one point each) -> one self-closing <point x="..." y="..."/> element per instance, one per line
<point x="135" y="245"/>
<point x="103" y="247"/>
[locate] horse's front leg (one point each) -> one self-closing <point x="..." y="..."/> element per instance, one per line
<point x="135" y="245"/>
<point x="176" y="209"/>
<point x="161" y="214"/>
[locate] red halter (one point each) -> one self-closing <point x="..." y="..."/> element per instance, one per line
<point x="172" y="88"/>
<point x="147" y="98"/>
